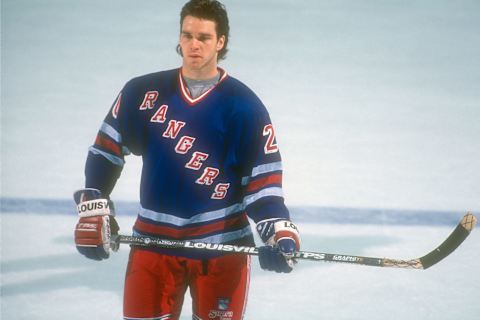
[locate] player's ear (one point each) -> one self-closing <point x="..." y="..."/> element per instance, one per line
<point x="179" y="50"/>
<point x="220" y="43"/>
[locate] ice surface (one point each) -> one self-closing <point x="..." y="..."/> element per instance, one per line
<point x="43" y="277"/>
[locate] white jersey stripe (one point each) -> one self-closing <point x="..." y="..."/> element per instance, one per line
<point x="211" y="215"/>
<point x="261" y="169"/>
<point x="110" y="157"/>
<point x="227" y="236"/>
<point x="111" y="132"/>
<point x="272" y="191"/>
<point x="199" y="218"/>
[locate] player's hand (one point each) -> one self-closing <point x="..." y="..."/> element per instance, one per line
<point x="282" y="242"/>
<point x="96" y="224"/>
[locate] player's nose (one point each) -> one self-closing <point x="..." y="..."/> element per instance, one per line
<point x="195" y="44"/>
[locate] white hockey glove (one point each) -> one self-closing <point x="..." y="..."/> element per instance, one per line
<point x="282" y="241"/>
<point x="96" y="224"/>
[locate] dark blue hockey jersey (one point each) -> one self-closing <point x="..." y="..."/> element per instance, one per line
<point x="208" y="162"/>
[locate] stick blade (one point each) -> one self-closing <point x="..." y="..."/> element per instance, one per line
<point x="469" y="221"/>
<point x="453" y="241"/>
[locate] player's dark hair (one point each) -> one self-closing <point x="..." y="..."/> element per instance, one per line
<point x="209" y="10"/>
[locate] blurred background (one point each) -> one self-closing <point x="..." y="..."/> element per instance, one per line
<point x="375" y="103"/>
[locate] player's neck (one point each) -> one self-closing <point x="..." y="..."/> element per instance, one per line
<point x="200" y="74"/>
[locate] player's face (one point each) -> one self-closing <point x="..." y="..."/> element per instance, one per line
<point x="200" y="46"/>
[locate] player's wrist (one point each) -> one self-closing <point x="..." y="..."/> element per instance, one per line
<point x="286" y="230"/>
<point x="273" y="230"/>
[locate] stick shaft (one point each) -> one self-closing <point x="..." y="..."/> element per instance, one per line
<point x="302" y="255"/>
<point x="460" y="233"/>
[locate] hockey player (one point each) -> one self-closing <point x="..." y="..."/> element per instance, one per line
<point x="210" y="160"/>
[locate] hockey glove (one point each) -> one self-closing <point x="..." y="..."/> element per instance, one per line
<point x="96" y="224"/>
<point x="282" y="241"/>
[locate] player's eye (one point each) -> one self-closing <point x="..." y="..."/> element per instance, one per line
<point x="204" y="38"/>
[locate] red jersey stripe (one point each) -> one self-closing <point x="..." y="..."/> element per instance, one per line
<point x="224" y="225"/>
<point x="262" y="182"/>
<point x="109" y="145"/>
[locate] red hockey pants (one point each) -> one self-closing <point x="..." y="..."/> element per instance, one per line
<point x="155" y="285"/>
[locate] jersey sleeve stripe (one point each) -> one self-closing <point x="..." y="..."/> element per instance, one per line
<point x="108" y="145"/>
<point x="262" y="169"/>
<point x="111" y="132"/>
<point x="267" y="192"/>
<point x="110" y="157"/>
<point x="257" y="184"/>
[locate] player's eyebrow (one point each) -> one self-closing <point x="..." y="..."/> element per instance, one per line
<point x="201" y="34"/>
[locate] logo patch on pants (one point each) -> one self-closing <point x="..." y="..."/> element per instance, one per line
<point x="221" y="313"/>
<point x="223" y="303"/>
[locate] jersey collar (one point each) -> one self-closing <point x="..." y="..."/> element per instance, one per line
<point x="186" y="95"/>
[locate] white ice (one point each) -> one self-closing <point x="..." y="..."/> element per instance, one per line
<point x="44" y="278"/>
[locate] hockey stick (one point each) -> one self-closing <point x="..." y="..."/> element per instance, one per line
<point x="454" y="240"/>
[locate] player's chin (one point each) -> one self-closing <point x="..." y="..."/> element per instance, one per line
<point x="194" y="64"/>
<point x="195" y="60"/>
